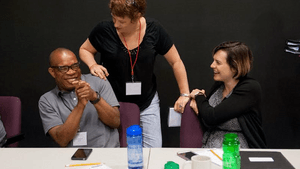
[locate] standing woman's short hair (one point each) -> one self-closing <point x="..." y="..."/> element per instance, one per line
<point x="239" y="57"/>
<point x="130" y="8"/>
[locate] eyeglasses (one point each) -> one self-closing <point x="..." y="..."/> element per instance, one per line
<point x="65" y="69"/>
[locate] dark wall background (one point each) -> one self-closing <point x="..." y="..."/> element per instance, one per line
<point x="30" y="30"/>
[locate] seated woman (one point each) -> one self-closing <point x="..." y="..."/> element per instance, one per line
<point x="234" y="103"/>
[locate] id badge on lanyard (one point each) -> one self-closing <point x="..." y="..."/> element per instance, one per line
<point x="80" y="139"/>
<point x="133" y="88"/>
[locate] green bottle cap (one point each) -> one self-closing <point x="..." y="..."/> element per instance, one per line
<point x="171" y="165"/>
<point x="231" y="136"/>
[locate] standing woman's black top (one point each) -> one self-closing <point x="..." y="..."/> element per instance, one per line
<point x="115" y="58"/>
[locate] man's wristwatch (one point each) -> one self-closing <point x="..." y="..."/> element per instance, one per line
<point x="97" y="100"/>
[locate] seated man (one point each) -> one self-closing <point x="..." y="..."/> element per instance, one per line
<point x="82" y="110"/>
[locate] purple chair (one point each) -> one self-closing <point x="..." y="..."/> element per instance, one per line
<point x="190" y="131"/>
<point x="129" y="115"/>
<point x="10" y="111"/>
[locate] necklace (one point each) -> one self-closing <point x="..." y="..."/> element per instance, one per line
<point x="137" y="53"/>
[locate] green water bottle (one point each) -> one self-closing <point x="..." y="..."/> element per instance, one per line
<point x="231" y="151"/>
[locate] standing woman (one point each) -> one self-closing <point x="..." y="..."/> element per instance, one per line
<point x="128" y="46"/>
<point x="234" y="103"/>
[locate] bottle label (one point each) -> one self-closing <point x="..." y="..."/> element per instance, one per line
<point x="229" y="161"/>
<point x="135" y="156"/>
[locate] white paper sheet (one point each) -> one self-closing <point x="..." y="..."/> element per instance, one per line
<point x="174" y="119"/>
<point x="212" y="156"/>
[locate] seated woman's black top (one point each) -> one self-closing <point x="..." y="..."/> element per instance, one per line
<point x="244" y="103"/>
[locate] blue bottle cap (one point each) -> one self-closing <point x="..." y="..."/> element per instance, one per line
<point x="134" y="130"/>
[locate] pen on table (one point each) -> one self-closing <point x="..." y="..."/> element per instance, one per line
<point x="84" y="164"/>
<point x="216" y="154"/>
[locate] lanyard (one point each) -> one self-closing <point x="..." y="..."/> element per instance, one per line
<point x="60" y="94"/>
<point x="137" y="53"/>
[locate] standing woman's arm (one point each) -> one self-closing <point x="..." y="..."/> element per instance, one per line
<point x="180" y="74"/>
<point x="87" y="55"/>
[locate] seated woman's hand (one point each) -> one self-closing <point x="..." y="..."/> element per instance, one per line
<point x="193" y="105"/>
<point x="197" y="92"/>
<point x="99" y="70"/>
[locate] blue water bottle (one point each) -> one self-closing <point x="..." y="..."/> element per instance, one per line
<point x="134" y="148"/>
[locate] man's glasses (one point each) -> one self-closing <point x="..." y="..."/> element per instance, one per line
<point x="65" y="69"/>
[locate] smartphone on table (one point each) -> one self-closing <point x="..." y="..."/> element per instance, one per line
<point x="81" y="154"/>
<point x="186" y="155"/>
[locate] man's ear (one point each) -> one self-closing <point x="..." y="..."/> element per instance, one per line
<point x="51" y="71"/>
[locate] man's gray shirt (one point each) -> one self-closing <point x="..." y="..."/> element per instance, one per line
<point x="55" y="107"/>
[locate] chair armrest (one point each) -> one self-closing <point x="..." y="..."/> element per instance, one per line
<point x="14" y="139"/>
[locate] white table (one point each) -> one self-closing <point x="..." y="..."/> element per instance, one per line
<point x="56" y="158"/>
<point x="160" y="156"/>
<point x="116" y="158"/>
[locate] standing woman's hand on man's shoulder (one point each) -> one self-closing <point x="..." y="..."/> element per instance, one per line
<point x="99" y="70"/>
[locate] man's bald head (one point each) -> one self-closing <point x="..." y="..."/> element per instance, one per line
<point x="58" y="54"/>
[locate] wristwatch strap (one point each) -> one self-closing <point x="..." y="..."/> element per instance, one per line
<point x="97" y="100"/>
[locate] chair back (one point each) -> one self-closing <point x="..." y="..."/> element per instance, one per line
<point x="129" y="115"/>
<point x="190" y="131"/>
<point x="10" y="111"/>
